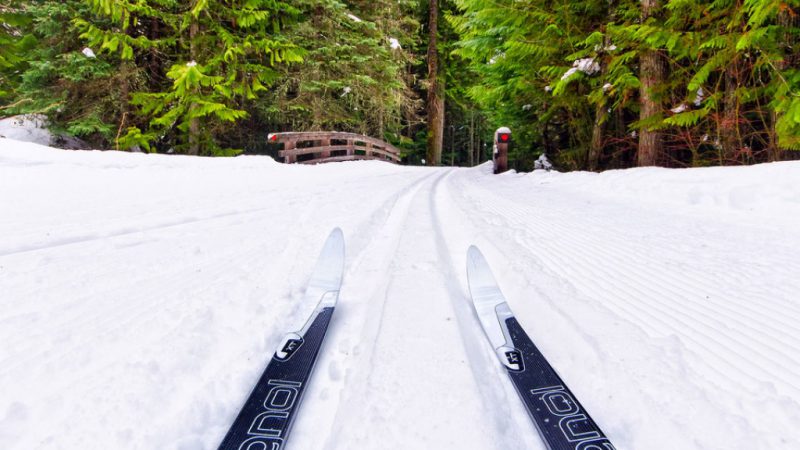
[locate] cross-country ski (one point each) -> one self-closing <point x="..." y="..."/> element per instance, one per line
<point x="266" y="418"/>
<point x="561" y="420"/>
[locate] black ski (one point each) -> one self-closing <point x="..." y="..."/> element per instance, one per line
<point x="266" y="418"/>
<point x="560" y="419"/>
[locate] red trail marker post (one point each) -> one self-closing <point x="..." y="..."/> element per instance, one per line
<point x="502" y="137"/>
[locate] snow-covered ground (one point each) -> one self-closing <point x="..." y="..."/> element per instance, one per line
<point x="142" y="295"/>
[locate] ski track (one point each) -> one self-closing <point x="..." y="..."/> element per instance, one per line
<point x="361" y="420"/>
<point x="152" y="320"/>
<point x="744" y="355"/>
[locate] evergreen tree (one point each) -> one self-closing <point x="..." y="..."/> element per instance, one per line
<point x="15" y="41"/>
<point x="219" y="56"/>
<point x="693" y="82"/>
<point x="75" y="90"/>
<point x="353" y="74"/>
<point x="594" y="84"/>
<point x="436" y="88"/>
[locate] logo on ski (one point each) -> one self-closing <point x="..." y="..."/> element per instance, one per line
<point x="514" y="361"/>
<point x="291" y="343"/>
<point x="268" y="428"/>
<point x="573" y="422"/>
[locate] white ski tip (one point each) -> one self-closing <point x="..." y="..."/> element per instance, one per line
<point x="489" y="303"/>
<point x="327" y="274"/>
<point x="338" y="232"/>
<point x="479" y="274"/>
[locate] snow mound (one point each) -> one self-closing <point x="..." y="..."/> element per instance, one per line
<point x="33" y="128"/>
<point x="28" y="128"/>
<point x="763" y="191"/>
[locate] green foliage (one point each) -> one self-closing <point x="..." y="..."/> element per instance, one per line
<point x="787" y="103"/>
<point x="15" y="41"/>
<point x="575" y="66"/>
<point x="523" y="52"/>
<point x="213" y="77"/>
<point x="76" y="92"/>
<point x="135" y="138"/>
<point x="351" y="78"/>
<point x="222" y="56"/>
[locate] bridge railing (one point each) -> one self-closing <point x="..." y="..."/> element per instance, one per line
<point x="327" y="146"/>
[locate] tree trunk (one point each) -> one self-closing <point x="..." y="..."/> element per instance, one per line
<point x="730" y="117"/>
<point x="651" y="75"/>
<point x="471" y="148"/>
<point x="435" y="90"/>
<point x="194" y="124"/>
<point x="598" y="130"/>
<point x="600" y="117"/>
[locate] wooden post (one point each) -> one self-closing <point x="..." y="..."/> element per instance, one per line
<point x="326" y="143"/>
<point x="502" y="138"/>
<point x="290" y="145"/>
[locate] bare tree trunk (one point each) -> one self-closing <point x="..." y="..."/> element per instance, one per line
<point x="435" y="90"/>
<point x="598" y="131"/>
<point x="600" y="117"/>
<point x="471" y="148"/>
<point x="126" y="72"/>
<point x="194" y="124"/>
<point x="651" y="75"/>
<point x="730" y="116"/>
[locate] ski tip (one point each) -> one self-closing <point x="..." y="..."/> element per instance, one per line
<point x="334" y="245"/>
<point x="479" y="275"/>
<point x="330" y="264"/>
<point x="474" y="259"/>
<point x="336" y="234"/>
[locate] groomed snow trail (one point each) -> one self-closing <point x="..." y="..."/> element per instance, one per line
<point x="142" y="295"/>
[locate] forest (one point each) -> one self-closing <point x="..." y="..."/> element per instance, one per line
<point x="592" y="84"/>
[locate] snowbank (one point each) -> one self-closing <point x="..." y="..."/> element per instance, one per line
<point x="760" y="191"/>
<point x="33" y="128"/>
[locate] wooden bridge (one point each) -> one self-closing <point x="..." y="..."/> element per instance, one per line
<point x="328" y="146"/>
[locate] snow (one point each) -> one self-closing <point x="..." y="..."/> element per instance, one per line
<point x="542" y="163"/>
<point x="33" y="128"/>
<point x="586" y="65"/>
<point x="698" y="99"/>
<point x="28" y="128"/>
<point x="680" y="108"/>
<point x="88" y="52"/>
<point x="394" y="43"/>
<point x="142" y="296"/>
